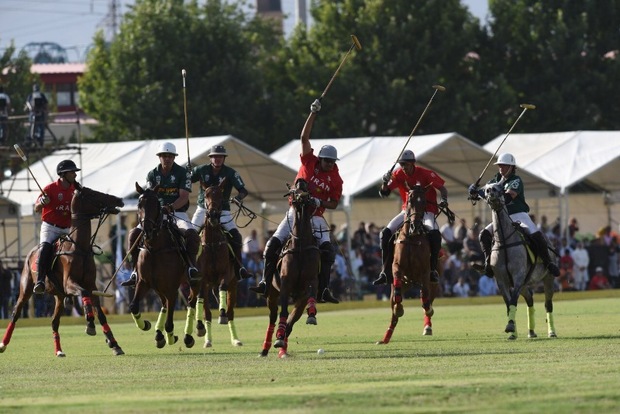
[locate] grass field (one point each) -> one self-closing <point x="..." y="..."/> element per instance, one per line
<point x="467" y="366"/>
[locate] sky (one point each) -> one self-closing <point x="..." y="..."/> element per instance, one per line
<point x="73" y="23"/>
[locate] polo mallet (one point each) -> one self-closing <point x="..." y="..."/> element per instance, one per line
<point x="525" y="108"/>
<point x="438" y="88"/>
<point x="25" y="159"/>
<point x="357" y="45"/>
<point x="183" y="73"/>
<point x="104" y="292"/>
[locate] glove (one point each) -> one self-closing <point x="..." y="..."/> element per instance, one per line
<point x="168" y="209"/>
<point x="507" y="198"/>
<point x="474" y="192"/>
<point x="45" y="200"/>
<point x="443" y="203"/>
<point x="316" y="201"/>
<point x="315" y="106"/>
<point x="386" y="177"/>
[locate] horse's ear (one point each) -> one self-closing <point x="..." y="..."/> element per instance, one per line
<point x="139" y="189"/>
<point x="77" y="185"/>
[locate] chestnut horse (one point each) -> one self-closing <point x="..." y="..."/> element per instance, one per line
<point x="73" y="270"/>
<point x="411" y="265"/>
<point x="160" y="265"/>
<point x="299" y="270"/>
<point x="515" y="271"/>
<point x="216" y="268"/>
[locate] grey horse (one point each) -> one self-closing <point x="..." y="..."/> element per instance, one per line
<point x="516" y="269"/>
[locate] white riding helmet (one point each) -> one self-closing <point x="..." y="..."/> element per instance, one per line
<point x="166" y="148"/>
<point x="407" y="156"/>
<point x="329" y="152"/>
<point x="506" y="159"/>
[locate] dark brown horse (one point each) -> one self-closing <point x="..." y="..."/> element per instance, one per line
<point x="411" y="266"/>
<point x="299" y="269"/>
<point x="216" y="268"/>
<point x="160" y="265"/>
<point x="73" y="271"/>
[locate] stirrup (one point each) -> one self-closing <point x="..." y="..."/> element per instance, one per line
<point x="261" y="288"/>
<point x="193" y="274"/>
<point x="39" y="288"/>
<point x="133" y="279"/>
<point x="328" y="297"/>
<point x="381" y="280"/>
<point x="243" y="273"/>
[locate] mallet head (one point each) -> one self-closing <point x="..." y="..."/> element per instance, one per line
<point x="356" y="42"/>
<point x="528" y="106"/>
<point x="439" y="88"/>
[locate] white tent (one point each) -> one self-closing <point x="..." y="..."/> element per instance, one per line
<point x="114" y="168"/>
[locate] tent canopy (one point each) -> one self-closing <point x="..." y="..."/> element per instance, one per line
<point x="567" y="158"/>
<point x="114" y="168"/>
<point x="363" y="161"/>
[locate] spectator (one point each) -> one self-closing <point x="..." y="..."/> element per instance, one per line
<point x="613" y="267"/>
<point x="581" y="260"/>
<point x="487" y="286"/>
<point x="359" y="237"/>
<point x="460" y="288"/>
<point x="573" y="229"/>
<point x="5" y="291"/>
<point x="447" y="234"/>
<point x="251" y="244"/>
<point x="5" y="108"/>
<point x="567" y="264"/>
<point x="37" y="105"/>
<point x="599" y="281"/>
<point x="460" y="232"/>
<point x="472" y="251"/>
<point x="123" y="294"/>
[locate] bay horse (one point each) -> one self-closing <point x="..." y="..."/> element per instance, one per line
<point x="215" y="265"/>
<point x="73" y="270"/>
<point x="298" y="276"/>
<point x="411" y="266"/>
<point x="515" y="271"/>
<point x="160" y="265"/>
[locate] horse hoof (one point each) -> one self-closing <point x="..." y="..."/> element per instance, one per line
<point x="90" y="330"/>
<point x="428" y="331"/>
<point x="147" y="326"/>
<point x="200" y="329"/>
<point x="189" y="341"/>
<point x="283" y="354"/>
<point x="380" y="343"/>
<point x="222" y="320"/>
<point x="160" y="344"/>
<point x="2" y="347"/>
<point x="60" y="354"/>
<point x="512" y="337"/>
<point x="208" y="344"/>
<point x="550" y="335"/>
<point x="279" y="343"/>
<point x="510" y="328"/>
<point x="117" y="351"/>
<point x="175" y="340"/>
<point x="263" y="353"/>
<point x="399" y="310"/>
<point x="237" y="342"/>
<point x="532" y="334"/>
<point x="311" y="320"/>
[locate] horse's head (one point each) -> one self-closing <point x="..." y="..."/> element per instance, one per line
<point x="494" y="196"/>
<point x="149" y="210"/>
<point x="416" y="203"/>
<point x="214" y="197"/>
<point x="300" y="196"/>
<point x="91" y="203"/>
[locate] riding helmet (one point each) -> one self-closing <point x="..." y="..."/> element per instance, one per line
<point x="407" y="156"/>
<point x="217" y="150"/>
<point x="166" y="148"/>
<point x="329" y="152"/>
<point x="66" y="166"/>
<point x="506" y="159"/>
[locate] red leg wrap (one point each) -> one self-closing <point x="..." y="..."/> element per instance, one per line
<point x="8" y="334"/>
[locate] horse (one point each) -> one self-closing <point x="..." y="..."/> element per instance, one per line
<point x="515" y="271"/>
<point x="298" y="277"/>
<point x="215" y="265"/>
<point x="411" y="266"/>
<point x="73" y="271"/>
<point x="160" y="265"/>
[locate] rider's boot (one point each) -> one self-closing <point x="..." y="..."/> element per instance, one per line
<point x="387" y="257"/>
<point x="133" y="235"/>
<point x="46" y="254"/>
<point x="434" y="240"/>
<point x="193" y="245"/>
<point x="272" y="251"/>
<point x="236" y="242"/>
<point x="486" y="243"/>
<point x="542" y="249"/>
<point x="328" y="257"/>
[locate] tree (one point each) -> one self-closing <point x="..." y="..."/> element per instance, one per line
<point x="562" y="56"/>
<point x="134" y="86"/>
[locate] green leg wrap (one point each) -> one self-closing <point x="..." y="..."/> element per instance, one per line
<point x="170" y="338"/>
<point x="138" y="320"/>
<point x="200" y="309"/>
<point x="233" y="333"/>
<point x="189" y="321"/>
<point x="161" y="320"/>
<point x="531" y="320"/>
<point x="223" y="297"/>
<point x="550" y="324"/>
<point x="512" y="313"/>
